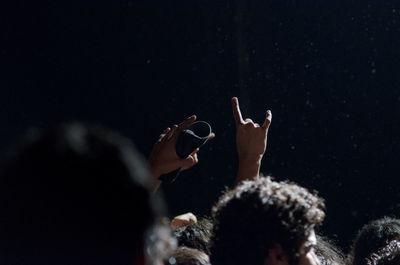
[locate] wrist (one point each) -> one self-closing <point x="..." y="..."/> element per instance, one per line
<point x="253" y="159"/>
<point x="154" y="171"/>
<point x="248" y="170"/>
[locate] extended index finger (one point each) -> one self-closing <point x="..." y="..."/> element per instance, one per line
<point x="182" y="126"/>
<point x="189" y="120"/>
<point x="237" y="115"/>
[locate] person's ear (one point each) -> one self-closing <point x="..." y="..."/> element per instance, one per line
<point x="276" y="256"/>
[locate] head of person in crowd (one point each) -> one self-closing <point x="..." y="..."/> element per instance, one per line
<point x="188" y="256"/>
<point x="76" y="194"/>
<point x="371" y="237"/>
<point x="388" y="255"/>
<point x="328" y="252"/>
<point x="196" y="235"/>
<point x="262" y="221"/>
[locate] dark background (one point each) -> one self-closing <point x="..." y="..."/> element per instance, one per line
<point x="328" y="70"/>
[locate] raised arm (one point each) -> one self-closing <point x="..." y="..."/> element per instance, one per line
<point x="251" y="142"/>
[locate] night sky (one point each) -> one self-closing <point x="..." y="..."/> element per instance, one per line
<point x="328" y="70"/>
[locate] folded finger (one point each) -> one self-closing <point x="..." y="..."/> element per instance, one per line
<point x="160" y="138"/>
<point x="212" y="136"/>
<point x="171" y="133"/>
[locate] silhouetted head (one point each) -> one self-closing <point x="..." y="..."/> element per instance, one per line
<point x="264" y="222"/>
<point x="371" y="237"/>
<point x="75" y="194"/>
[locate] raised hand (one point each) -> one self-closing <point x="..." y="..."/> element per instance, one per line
<point x="251" y="142"/>
<point x="183" y="220"/>
<point x="163" y="158"/>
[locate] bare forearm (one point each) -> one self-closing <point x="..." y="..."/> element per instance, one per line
<point x="248" y="169"/>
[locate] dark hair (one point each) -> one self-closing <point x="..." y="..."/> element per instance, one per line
<point x="188" y="256"/>
<point x="257" y="214"/>
<point x="371" y="237"/>
<point x="197" y="235"/>
<point x="388" y="255"/>
<point x="75" y="194"/>
<point x="328" y="252"/>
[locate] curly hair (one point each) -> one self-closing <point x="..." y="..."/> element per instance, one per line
<point x="257" y="214"/>
<point x="188" y="256"/>
<point x="327" y="252"/>
<point x="371" y="237"/>
<point x="388" y="255"/>
<point x="197" y="236"/>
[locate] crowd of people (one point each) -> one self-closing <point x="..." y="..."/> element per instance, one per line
<point x="78" y="194"/>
